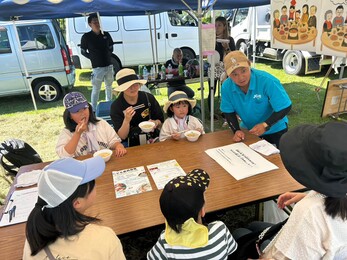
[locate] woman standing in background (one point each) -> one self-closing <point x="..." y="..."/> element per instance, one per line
<point x="224" y="44"/>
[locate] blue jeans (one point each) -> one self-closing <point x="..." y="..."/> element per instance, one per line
<point x="99" y="75"/>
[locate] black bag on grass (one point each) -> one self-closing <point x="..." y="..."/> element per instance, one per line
<point x="248" y="244"/>
<point x="17" y="153"/>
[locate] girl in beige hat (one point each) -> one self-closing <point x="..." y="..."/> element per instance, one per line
<point x="178" y="109"/>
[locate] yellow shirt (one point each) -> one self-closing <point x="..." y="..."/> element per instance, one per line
<point x="94" y="242"/>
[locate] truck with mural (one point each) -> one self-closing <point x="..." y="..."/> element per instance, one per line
<point x="294" y="62"/>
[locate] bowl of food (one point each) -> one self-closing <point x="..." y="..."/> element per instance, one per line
<point x="192" y="135"/>
<point x="147" y="126"/>
<point x="104" y="153"/>
<point x="169" y="76"/>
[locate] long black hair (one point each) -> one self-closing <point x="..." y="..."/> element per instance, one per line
<point x="45" y="225"/>
<point x="71" y="125"/>
<point x="336" y="207"/>
<point x="171" y="113"/>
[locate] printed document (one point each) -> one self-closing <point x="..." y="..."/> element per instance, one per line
<point x="163" y="172"/>
<point x="131" y="181"/>
<point x="19" y="206"/>
<point x="240" y="160"/>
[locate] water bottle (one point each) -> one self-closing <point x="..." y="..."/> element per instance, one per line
<point x="152" y="74"/>
<point x="180" y="70"/>
<point x="145" y="73"/>
<point x="163" y="72"/>
<point x="169" y="69"/>
<point x="140" y="71"/>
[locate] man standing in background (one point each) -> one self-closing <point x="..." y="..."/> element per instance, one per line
<point x="98" y="47"/>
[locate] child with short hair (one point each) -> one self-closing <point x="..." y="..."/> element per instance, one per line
<point x="57" y="227"/>
<point x="182" y="203"/>
<point x="179" y="108"/>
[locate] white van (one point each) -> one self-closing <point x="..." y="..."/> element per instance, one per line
<point x="46" y="57"/>
<point x="175" y="29"/>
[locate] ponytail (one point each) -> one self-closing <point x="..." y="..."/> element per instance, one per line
<point x="46" y="225"/>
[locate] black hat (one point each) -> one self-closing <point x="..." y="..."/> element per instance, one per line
<point x="316" y="156"/>
<point x="183" y="196"/>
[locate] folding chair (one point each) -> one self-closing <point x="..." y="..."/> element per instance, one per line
<point x="103" y="111"/>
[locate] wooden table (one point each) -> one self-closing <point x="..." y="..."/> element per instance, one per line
<point x="142" y="211"/>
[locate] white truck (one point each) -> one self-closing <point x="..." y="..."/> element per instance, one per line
<point x="294" y="62"/>
<point x="131" y="35"/>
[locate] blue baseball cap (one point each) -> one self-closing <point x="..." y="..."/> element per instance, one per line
<point x="60" y="179"/>
<point x="75" y="101"/>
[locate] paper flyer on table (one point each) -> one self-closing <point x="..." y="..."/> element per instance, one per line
<point x="130" y="181"/>
<point x="19" y="206"/>
<point x="163" y="172"/>
<point x="240" y="160"/>
<point x="264" y="147"/>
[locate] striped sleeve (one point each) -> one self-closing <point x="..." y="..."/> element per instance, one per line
<point x="157" y="252"/>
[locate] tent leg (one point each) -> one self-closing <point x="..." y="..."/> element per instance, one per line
<point x="21" y="56"/>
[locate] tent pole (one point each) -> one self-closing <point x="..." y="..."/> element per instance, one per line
<point x="156" y="45"/>
<point x="99" y="20"/>
<point x="199" y="15"/>
<point x="212" y="81"/>
<point x="151" y="35"/>
<point x="254" y="31"/>
<point x="21" y="56"/>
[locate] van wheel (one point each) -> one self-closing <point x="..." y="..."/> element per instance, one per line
<point x="188" y="54"/>
<point x="117" y="64"/>
<point x="47" y="91"/>
<point x="293" y="62"/>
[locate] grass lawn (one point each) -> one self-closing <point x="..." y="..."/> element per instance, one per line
<point x="41" y="128"/>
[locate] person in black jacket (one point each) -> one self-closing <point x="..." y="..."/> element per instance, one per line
<point x="98" y="47"/>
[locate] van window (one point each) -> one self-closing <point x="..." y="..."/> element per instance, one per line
<point x="240" y="15"/>
<point x="4" y="42"/>
<point x="140" y="23"/>
<point x="108" y="23"/>
<point x="181" y="18"/>
<point x="35" y="37"/>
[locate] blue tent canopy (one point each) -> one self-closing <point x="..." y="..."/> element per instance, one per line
<point x="35" y="9"/>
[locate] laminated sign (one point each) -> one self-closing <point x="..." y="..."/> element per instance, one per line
<point x="208" y="35"/>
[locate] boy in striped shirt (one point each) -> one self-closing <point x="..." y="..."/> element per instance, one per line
<point x="185" y="237"/>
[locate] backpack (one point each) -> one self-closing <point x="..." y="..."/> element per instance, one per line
<point x="247" y="244"/>
<point x="17" y="153"/>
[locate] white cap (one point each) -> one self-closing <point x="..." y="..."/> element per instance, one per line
<point x="60" y="179"/>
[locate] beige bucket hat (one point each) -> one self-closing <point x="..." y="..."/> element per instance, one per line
<point x="176" y="97"/>
<point x="127" y="77"/>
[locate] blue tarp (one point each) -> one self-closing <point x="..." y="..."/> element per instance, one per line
<point x="35" y="9"/>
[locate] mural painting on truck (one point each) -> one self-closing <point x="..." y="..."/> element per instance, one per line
<point x="294" y="62"/>
<point x="132" y="40"/>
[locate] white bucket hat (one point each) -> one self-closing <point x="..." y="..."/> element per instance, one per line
<point x="127" y="77"/>
<point x="176" y="97"/>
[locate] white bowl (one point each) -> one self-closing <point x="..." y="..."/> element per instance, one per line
<point x="147" y="126"/>
<point x="169" y="76"/>
<point x="192" y="135"/>
<point x="104" y="154"/>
